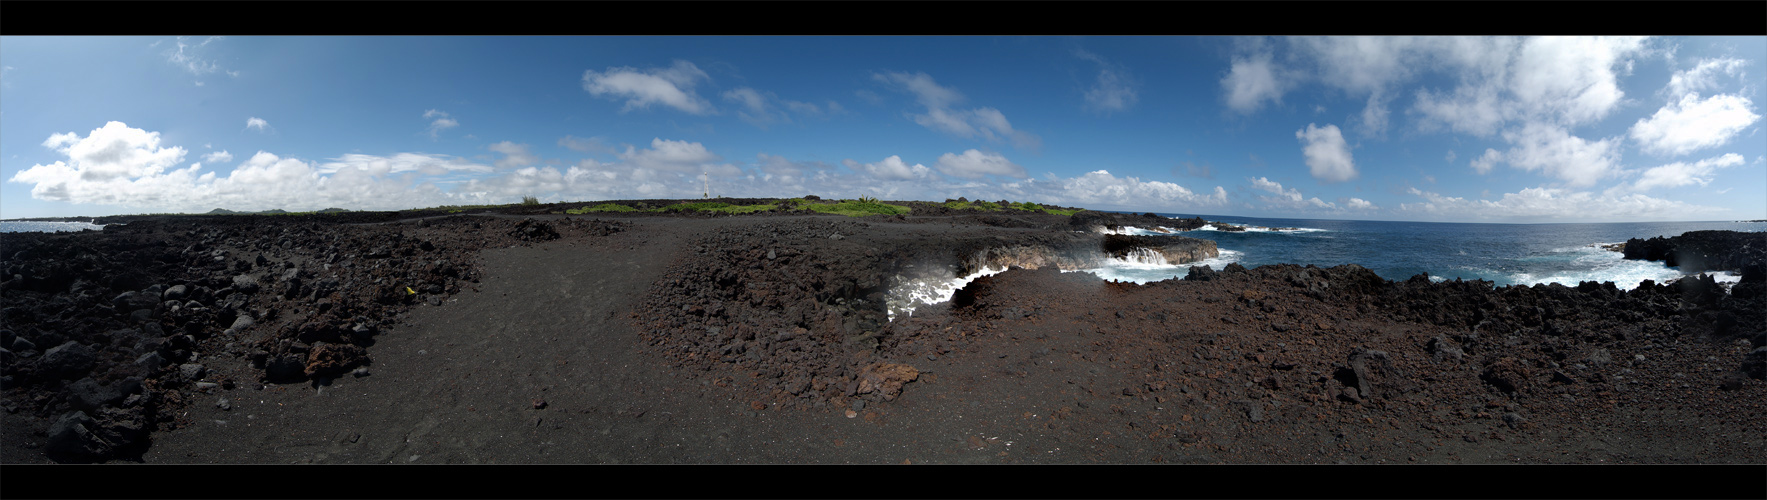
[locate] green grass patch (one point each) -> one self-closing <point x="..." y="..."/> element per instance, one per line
<point x="856" y="208"/>
<point x="1063" y="212"/>
<point x="604" y="207"/>
<point x="715" y="206"/>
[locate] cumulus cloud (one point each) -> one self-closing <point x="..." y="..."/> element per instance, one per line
<point x="218" y="157"/>
<point x="1360" y="204"/>
<point x="672" y="86"/>
<point x="1364" y="66"/>
<point x="1571" y="77"/>
<point x="1483" y="163"/>
<point x="974" y="164"/>
<point x="892" y="168"/>
<point x="1555" y="204"/>
<point x="1101" y="189"/>
<point x="514" y="155"/>
<point x="1692" y="124"/>
<point x="1114" y="90"/>
<point x="988" y="123"/>
<point x="1252" y="80"/>
<point x="120" y="165"/>
<point x="1287" y="198"/>
<point x="1703" y="76"/>
<point x="679" y="157"/>
<point x="1555" y="152"/>
<point x="1495" y="80"/>
<point x="109" y="152"/>
<point x="257" y="123"/>
<point x="1328" y="156"/>
<point x="442" y="122"/>
<point x="1682" y="173"/>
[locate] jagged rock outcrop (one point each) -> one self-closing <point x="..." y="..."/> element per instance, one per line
<point x="1700" y="251"/>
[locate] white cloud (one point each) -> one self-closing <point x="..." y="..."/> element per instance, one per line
<point x="441" y="123"/>
<point x="672" y="86"/>
<point x="1563" y="80"/>
<point x="1703" y="76"/>
<point x="1450" y="156"/>
<point x="1571" y="77"/>
<point x="1250" y="81"/>
<point x="1682" y="173"/>
<point x="1101" y="189"/>
<point x="1360" y="204"/>
<point x="109" y="152"/>
<point x="892" y="168"/>
<point x="1556" y="204"/>
<point x="754" y="106"/>
<point x="1287" y="197"/>
<point x="1473" y="109"/>
<point x="514" y="155"/>
<point x="1328" y="156"/>
<point x="1555" y="152"/>
<point x="974" y="164"/>
<point x="218" y="157"/>
<point x="185" y="56"/>
<point x="119" y="165"/>
<point x="678" y="157"/>
<point x="1483" y="164"/>
<point x="786" y="169"/>
<point x="379" y="166"/>
<point x="1693" y="124"/>
<point x="764" y="108"/>
<point x="1114" y="90"/>
<point x="989" y="123"/>
<point x="257" y="123"/>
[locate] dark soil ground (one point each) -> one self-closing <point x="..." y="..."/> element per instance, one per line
<point x="525" y="339"/>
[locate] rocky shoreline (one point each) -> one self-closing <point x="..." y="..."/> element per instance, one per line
<point x="112" y="338"/>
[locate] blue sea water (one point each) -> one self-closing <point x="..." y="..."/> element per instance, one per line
<point x="25" y="226"/>
<point x="1507" y="254"/>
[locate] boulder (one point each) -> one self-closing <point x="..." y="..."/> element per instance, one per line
<point x="68" y="360"/>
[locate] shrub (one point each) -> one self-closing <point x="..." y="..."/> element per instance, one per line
<point x="529" y="200"/>
<point x="604" y="207"/>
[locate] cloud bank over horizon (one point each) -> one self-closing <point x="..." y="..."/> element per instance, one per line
<point x="1507" y="129"/>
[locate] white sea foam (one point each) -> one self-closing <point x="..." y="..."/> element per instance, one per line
<point x="1594" y="263"/>
<point x="1261" y="229"/>
<point x="1141" y="269"/>
<point x="905" y="297"/>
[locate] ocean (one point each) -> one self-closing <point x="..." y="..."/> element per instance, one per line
<point x="25" y="226"/>
<point x="1506" y="254"/>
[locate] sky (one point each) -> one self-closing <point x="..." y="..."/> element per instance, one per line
<point x="1454" y="129"/>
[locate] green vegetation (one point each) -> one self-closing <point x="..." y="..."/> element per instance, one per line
<point x="454" y="209"/>
<point x="529" y="200"/>
<point x="604" y="207"/>
<point x="859" y="208"/>
<point x="992" y="206"/>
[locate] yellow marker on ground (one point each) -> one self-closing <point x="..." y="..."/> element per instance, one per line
<point x="410" y="291"/>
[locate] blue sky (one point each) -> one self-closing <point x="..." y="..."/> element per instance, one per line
<point x="1480" y="129"/>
